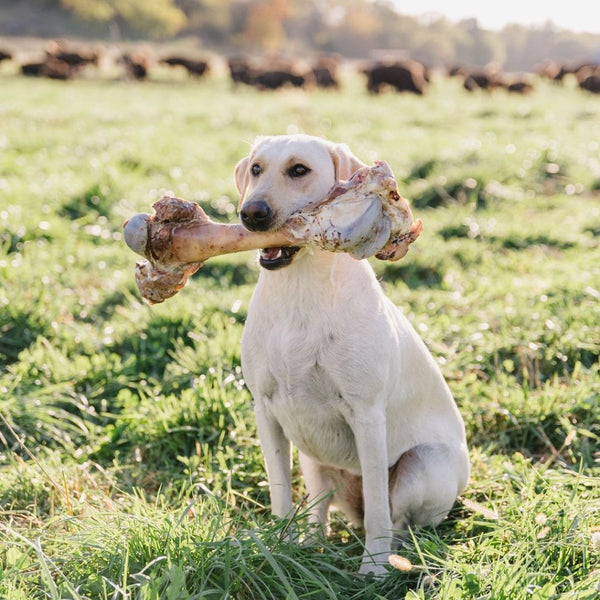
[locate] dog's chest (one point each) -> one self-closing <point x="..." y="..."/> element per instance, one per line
<point x="296" y="383"/>
<point x="314" y="416"/>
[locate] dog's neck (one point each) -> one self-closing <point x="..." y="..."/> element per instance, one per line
<point x="312" y="278"/>
<point x="309" y="265"/>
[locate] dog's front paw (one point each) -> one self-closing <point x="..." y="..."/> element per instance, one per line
<point x="376" y="563"/>
<point x="369" y="565"/>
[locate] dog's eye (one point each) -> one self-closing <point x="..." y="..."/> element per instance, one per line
<point x="298" y="170"/>
<point x="256" y="169"/>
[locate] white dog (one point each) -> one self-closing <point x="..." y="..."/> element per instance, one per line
<point x="337" y="370"/>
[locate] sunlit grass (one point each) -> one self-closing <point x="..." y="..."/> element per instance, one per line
<point x="129" y="464"/>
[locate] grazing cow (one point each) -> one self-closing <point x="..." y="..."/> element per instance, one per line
<point x="457" y="71"/>
<point x="195" y="68"/>
<point x="51" y="68"/>
<point x="552" y="70"/>
<point x="270" y="75"/>
<point x="325" y="77"/>
<point x="403" y="76"/>
<point x="591" y="83"/>
<point x="584" y="70"/>
<point x="519" y="86"/>
<point x="136" y="65"/>
<point x="588" y="77"/>
<point x="72" y="56"/>
<point x="324" y="72"/>
<point x="479" y="80"/>
<point x="240" y="70"/>
<point x="33" y="69"/>
<point x="272" y="80"/>
<point x="516" y="83"/>
<point x="61" y="62"/>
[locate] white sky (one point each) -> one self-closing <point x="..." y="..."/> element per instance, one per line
<point x="576" y="15"/>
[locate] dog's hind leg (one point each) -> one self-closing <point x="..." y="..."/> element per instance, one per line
<point x="319" y="488"/>
<point x="330" y="487"/>
<point x="425" y="483"/>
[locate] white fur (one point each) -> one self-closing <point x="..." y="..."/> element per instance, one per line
<point x="338" y="371"/>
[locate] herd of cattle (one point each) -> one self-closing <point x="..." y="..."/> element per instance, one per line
<point x="587" y="75"/>
<point x="61" y="61"/>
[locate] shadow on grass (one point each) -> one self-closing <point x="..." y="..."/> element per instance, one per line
<point x="96" y="199"/>
<point x="18" y="330"/>
<point x="511" y="241"/>
<point x="227" y="273"/>
<point x="13" y="240"/>
<point x="414" y="274"/>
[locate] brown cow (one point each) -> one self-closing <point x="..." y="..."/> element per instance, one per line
<point x="74" y="57"/>
<point x="273" y="80"/>
<point x="479" y="80"/>
<point x="552" y="70"/>
<point x="587" y="76"/>
<point x="240" y="70"/>
<point x="61" y="62"/>
<point x="324" y="72"/>
<point x="403" y="76"/>
<point x="270" y="74"/>
<point x="136" y="65"/>
<point x="51" y="68"/>
<point x="519" y="86"/>
<point x="195" y="68"/>
<point x="516" y="83"/>
<point x="591" y="83"/>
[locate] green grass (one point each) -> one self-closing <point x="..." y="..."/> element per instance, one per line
<point x="129" y="464"/>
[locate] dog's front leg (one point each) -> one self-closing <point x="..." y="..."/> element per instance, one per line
<point x="276" y="451"/>
<point x="370" y="436"/>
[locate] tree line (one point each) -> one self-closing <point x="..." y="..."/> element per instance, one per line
<point x="351" y="28"/>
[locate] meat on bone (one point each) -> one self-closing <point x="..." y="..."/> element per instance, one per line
<point x="364" y="216"/>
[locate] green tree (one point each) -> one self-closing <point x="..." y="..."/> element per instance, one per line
<point x="155" y="18"/>
<point x="434" y="45"/>
<point x="478" y="46"/>
<point x="264" y="24"/>
<point x="209" y="20"/>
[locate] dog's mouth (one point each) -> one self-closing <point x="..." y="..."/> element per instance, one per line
<point x="276" y="258"/>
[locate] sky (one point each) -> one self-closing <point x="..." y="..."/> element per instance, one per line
<point x="576" y="15"/>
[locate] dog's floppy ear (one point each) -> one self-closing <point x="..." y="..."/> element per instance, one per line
<point x="242" y="176"/>
<point x="344" y="162"/>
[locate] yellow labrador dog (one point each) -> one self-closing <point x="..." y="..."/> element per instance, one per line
<point x="337" y="370"/>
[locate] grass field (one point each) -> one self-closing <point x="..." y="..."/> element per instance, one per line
<point x="129" y="464"/>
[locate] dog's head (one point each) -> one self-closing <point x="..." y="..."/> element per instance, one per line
<point x="281" y="175"/>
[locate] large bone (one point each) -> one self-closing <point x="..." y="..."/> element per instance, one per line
<point x="178" y="239"/>
<point x="363" y="216"/>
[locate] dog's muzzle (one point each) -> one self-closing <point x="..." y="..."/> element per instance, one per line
<point x="276" y="258"/>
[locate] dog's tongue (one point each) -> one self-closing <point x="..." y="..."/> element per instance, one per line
<point x="270" y="253"/>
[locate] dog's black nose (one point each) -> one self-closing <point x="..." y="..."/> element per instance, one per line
<point x="256" y="215"/>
